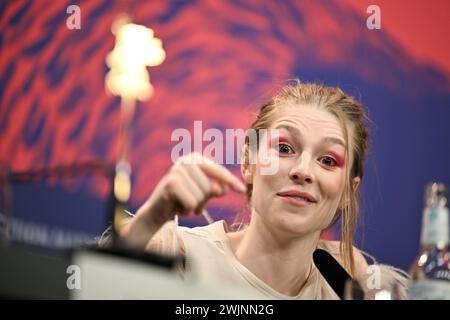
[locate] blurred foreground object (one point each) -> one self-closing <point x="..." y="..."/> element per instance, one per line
<point x="135" y="49"/>
<point x="430" y="272"/>
<point x="56" y="207"/>
<point x="91" y="274"/>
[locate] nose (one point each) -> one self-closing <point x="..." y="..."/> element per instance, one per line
<point x="301" y="172"/>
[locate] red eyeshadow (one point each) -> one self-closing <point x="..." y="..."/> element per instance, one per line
<point x="340" y="160"/>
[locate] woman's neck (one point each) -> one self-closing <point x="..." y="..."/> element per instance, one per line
<point x="284" y="263"/>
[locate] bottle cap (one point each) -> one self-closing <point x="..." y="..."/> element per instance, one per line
<point x="436" y="192"/>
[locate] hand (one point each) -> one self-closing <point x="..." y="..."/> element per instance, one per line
<point x="185" y="189"/>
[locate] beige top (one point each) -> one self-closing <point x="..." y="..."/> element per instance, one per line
<point x="210" y="260"/>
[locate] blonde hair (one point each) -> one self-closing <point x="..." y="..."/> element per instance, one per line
<point x="347" y="110"/>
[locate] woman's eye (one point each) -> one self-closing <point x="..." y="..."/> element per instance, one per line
<point x="328" y="161"/>
<point x="284" y="148"/>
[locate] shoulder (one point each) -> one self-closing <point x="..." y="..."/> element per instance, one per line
<point x="214" y="231"/>
<point x="171" y="237"/>
<point x="373" y="275"/>
<point x="167" y="240"/>
<point x="360" y="262"/>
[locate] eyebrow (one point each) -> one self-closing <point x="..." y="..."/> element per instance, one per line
<point x="295" y="131"/>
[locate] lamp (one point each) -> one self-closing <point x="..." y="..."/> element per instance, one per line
<point x="135" y="49"/>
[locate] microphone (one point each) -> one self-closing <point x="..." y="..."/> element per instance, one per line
<point x="335" y="275"/>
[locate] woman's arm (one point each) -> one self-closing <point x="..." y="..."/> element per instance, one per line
<point x="186" y="188"/>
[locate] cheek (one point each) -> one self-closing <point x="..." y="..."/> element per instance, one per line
<point x="264" y="184"/>
<point x="276" y="177"/>
<point x="267" y="185"/>
<point x="332" y="185"/>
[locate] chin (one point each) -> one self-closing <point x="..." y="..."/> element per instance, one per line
<point x="295" y="224"/>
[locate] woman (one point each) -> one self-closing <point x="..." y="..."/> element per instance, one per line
<point x="320" y="146"/>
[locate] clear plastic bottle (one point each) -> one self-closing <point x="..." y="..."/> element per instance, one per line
<point x="430" y="272"/>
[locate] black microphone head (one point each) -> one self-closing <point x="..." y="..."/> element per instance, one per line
<point x="335" y="274"/>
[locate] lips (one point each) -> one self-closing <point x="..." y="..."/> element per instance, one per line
<point x="297" y="197"/>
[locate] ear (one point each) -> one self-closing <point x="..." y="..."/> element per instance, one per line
<point x="355" y="186"/>
<point x="246" y="168"/>
<point x="356" y="182"/>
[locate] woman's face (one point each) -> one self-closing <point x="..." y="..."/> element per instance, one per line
<point x="303" y="195"/>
